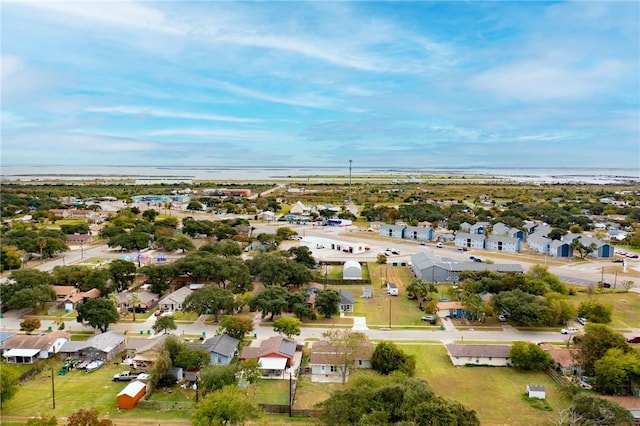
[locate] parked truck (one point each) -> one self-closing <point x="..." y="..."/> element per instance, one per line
<point x="125" y="376"/>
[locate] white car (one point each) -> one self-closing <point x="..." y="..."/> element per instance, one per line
<point x="569" y="330"/>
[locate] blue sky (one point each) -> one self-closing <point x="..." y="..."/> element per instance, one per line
<point x="415" y="84"/>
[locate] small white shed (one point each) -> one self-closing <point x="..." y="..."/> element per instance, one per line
<point x="536" y="391"/>
<point x="352" y="270"/>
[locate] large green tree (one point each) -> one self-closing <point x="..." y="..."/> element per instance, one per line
<point x="235" y="326"/>
<point x="9" y="380"/>
<point x="588" y="409"/>
<point x="328" y="302"/>
<point x="210" y="300"/>
<point x="98" y="313"/>
<point x="529" y="356"/>
<point x="164" y="323"/>
<point x="387" y="358"/>
<point x="289" y="326"/>
<point x="595" y="311"/>
<point x="616" y="371"/>
<point x="227" y="406"/>
<point x="594" y="343"/>
<point x="272" y="301"/>
<point x="122" y="273"/>
<point x="421" y="289"/>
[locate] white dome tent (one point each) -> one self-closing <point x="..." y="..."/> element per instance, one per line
<point x="352" y="270"/>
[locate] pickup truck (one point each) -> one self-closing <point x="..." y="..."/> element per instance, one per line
<point x="125" y="376"/>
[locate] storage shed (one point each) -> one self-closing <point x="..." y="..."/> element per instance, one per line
<point x="536" y="391"/>
<point x="128" y="398"/>
<point x="352" y="270"/>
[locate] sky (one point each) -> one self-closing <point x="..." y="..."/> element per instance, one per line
<point x="316" y="83"/>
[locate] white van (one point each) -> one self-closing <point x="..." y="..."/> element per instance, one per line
<point x="569" y="330"/>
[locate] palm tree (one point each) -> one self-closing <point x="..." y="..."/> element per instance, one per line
<point x="134" y="300"/>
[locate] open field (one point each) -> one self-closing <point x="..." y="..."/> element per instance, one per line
<point x="626" y="306"/>
<point x="494" y="392"/>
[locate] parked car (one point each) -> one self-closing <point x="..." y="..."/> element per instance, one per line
<point x="582" y="320"/>
<point x="125" y="376"/>
<point x="158" y="312"/>
<point x="501" y="318"/>
<point x="477" y="259"/>
<point x="439" y="244"/>
<point x="569" y="330"/>
<point x="139" y="309"/>
<point x="429" y="318"/>
<point x="634" y="339"/>
<point x="632" y="256"/>
<point x="618" y="260"/>
<point x="604" y="285"/>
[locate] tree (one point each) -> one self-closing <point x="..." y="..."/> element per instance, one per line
<point x="387" y="358"/>
<point x="27" y="288"/>
<point x="150" y="215"/>
<point x="236" y="327"/>
<point x="347" y="346"/>
<point x="180" y="242"/>
<point x="616" y="371"/>
<point x="302" y="255"/>
<point x="594" y="343"/>
<point x="164" y="323"/>
<point x="328" y="302"/>
<point x="98" y="313"/>
<point x="84" y="417"/>
<point x="10" y="258"/>
<point x="194" y="205"/>
<point x="524" y="308"/>
<point x="192" y="359"/>
<point x="122" y="273"/>
<point x="159" y="276"/>
<point x="133" y="300"/>
<point x="583" y="250"/>
<point x="627" y="285"/>
<point x="215" y="377"/>
<point x="29" y="325"/>
<point x="210" y="300"/>
<point x="529" y="356"/>
<point x="289" y="326"/>
<point x="595" y="311"/>
<point x="272" y="300"/>
<point x="9" y="380"/>
<point x="589" y="409"/>
<point x="421" y="289"/>
<point x="393" y="400"/>
<point x="230" y="405"/>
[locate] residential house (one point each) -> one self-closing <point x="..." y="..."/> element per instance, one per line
<point x="602" y="250"/>
<point x="451" y="309"/>
<point x="473" y="241"/>
<point x="71" y="296"/>
<point x="275" y="355"/>
<point x="564" y="359"/>
<point x="27" y="348"/>
<point x="299" y="208"/>
<point x="346" y="301"/>
<point x="101" y="347"/>
<point x="172" y="302"/>
<point x="324" y="361"/>
<point x="500" y="229"/>
<point x="75" y="241"/>
<point x="148" y="300"/>
<point x="492" y="355"/>
<point x="465" y="227"/>
<point x="479" y="228"/>
<point x="221" y="348"/>
<point x="501" y="243"/>
<point x="143" y="353"/>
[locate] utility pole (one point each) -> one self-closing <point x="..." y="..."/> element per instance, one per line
<point x="389" y="313"/>
<point x="53" y="391"/>
<point x="350" y="161"/>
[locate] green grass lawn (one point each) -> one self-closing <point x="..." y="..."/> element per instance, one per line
<point x="496" y="393"/>
<point x="309" y="394"/>
<point x="626" y="306"/>
<point x="272" y="391"/>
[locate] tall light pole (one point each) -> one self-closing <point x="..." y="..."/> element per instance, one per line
<point x="389" y="313"/>
<point x="350" y="161"/>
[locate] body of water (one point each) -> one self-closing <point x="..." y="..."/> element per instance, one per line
<point x="217" y="173"/>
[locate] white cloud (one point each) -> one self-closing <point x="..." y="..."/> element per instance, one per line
<point x="158" y="112"/>
<point x="9" y="120"/>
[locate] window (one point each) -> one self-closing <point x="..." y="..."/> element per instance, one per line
<point x="333" y="369"/>
<point x="359" y="362"/>
<point x="322" y="368"/>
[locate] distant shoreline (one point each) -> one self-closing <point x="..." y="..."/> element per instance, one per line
<point x="41" y="173"/>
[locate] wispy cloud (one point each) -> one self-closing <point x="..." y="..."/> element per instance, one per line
<point x="158" y="112"/>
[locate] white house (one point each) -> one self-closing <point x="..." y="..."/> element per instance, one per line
<point x="539" y="243"/>
<point x="474" y="241"/>
<point x="502" y="243"/>
<point x="393" y="231"/>
<point x="324" y="361"/>
<point x="492" y="355"/>
<point x="172" y="302"/>
<point x="25" y="349"/>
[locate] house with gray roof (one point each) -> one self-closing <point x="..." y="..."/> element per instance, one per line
<point x="101" y="347"/>
<point x="502" y="243"/>
<point x="468" y="240"/>
<point x="347" y="301"/>
<point x="602" y="250"/>
<point x="419" y="233"/>
<point x="500" y="229"/>
<point x="465" y="226"/>
<point x="479" y="228"/>
<point x="539" y="243"/>
<point x="493" y="355"/>
<point x="393" y="231"/>
<point x="434" y="269"/>
<point x="221" y="348"/>
<point x="558" y="248"/>
<point x="172" y="302"/>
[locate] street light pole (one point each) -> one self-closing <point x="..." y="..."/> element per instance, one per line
<point x="53" y="391"/>
<point x="389" y="313"/>
<point x="350" y="161"/>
